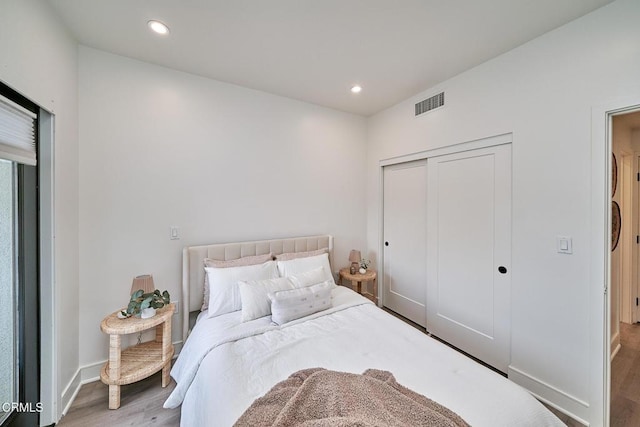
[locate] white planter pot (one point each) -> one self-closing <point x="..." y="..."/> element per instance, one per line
<point x="363" y="270"/>
<point x="148" y="312"/>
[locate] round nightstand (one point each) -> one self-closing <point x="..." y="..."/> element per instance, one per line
<point x="357" y="279"/>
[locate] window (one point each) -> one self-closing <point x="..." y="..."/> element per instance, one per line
<point x="19" y="256"/>
<point x="8" y="330"/>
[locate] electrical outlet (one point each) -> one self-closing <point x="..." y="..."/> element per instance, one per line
<point x="177" y="303"/>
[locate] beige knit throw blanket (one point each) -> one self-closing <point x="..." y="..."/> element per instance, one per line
<point x="319" y="397"/>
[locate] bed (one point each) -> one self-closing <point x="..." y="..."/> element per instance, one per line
<point x="226" y="364"/>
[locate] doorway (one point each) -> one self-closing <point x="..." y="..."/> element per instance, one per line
<point x="623" y="306"/>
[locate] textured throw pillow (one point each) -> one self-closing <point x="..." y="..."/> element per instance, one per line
<point x="255" y="296"/>
<point x="294" y="255"/>
<point x="303" y="265"/>
<point x="224" y="294"/>
<point x="296" y="303"/>
<point x="247" y="260"/>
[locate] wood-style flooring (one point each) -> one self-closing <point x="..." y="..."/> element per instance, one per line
<point x="625" y="379"/>
<point x="141" y="402"/>
<point x="140" y="405"/>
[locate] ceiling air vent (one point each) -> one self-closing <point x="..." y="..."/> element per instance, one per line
<point x="430" y="103"/>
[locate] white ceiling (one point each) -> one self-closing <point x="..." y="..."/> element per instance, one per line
<point x="316" y="50"/>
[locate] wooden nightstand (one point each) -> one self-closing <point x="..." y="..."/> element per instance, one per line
<point x="357" y="279"/>
<point x="139" y="361"/>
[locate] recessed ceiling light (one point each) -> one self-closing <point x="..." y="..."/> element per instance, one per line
<point x="356" y="89"/>
<point x="158" y="27"/>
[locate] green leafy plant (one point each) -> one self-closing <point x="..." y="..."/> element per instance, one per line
<point x="365" y="263"/>
<point x="139" y="301"/>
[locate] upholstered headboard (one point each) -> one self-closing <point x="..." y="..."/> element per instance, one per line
<point x="193" y="264"/>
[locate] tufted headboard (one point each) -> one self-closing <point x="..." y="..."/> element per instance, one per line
<point x="193" y="264"/>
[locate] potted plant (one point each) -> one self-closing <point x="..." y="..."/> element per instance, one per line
<point x="364" y="265"/>
<point x="144" y="305"/>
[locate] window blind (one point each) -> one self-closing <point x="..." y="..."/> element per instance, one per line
<point x="17" y="133"/>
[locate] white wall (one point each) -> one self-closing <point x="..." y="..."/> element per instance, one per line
<point x="39" y="60"/>
<point x="543" y="92"/>
<point x="163" y="148"/>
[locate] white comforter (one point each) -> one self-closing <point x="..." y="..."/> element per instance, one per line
<point x="226" y="364"/>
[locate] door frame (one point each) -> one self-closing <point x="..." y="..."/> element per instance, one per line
<point x="505" y="138"/>
<point x="45" y="175"/>
<point x="600" y="255"/>
<point x="635" y="223"/>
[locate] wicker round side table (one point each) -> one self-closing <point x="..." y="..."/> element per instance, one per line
<point x="139" y="361"/>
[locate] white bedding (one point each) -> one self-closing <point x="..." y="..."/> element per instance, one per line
<point x="225" y="364"/>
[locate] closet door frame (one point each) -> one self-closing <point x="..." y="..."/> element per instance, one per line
<point x="501" y="139"/>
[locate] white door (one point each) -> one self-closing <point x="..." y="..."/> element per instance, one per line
<point x="469" y="252"/>
<point x="405" y="203"/>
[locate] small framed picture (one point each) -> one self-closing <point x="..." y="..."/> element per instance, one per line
<point x="616" y="224"/>
<point x="614" y="174"/>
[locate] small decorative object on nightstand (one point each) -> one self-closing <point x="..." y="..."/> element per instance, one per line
<point x="139" y="361"/>
<point x="364" y="265"/>
<point x="354" y="258"/>
<point x="356" y="282"/>
<point x="145" y="299"/>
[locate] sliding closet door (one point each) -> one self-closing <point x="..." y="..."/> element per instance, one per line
<point x="469" y="252"/>
<point x="405" y="202"/>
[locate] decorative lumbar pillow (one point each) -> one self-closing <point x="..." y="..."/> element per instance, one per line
<point x="303" y="265"/>
<point x="294" y="255"/>
<point x="296" y="303"/>
<point x="255" y="296"/>
<point x="247" y="260"/>
<point x="224" y="294"/>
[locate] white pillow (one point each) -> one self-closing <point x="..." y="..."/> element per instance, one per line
<point x="246" y="260"/>
<point x="254" y="296"/>
<point x="296" y="303"/>
<point x="303" y="265"/>
<point x="308" y="278"/>
<point x="224" y="294"/>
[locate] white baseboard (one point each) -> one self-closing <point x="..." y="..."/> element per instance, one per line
<point x="69" y="393"/>
<point x="90" y="373"/>
<point x="615" y="351"/>
<point x="615" y="345"/>
<point x="558" y="399"/>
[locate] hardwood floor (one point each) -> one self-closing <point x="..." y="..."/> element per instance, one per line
<point x="140" y="405"/>
<point x="625" y="378"/>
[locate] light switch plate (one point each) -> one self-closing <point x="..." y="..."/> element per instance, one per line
<point x="564" y="244"/>
<point x="174" y="233"/>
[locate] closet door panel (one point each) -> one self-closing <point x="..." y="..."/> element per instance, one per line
<point x="469" y="252"/>
<point x="404" y="280"/>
